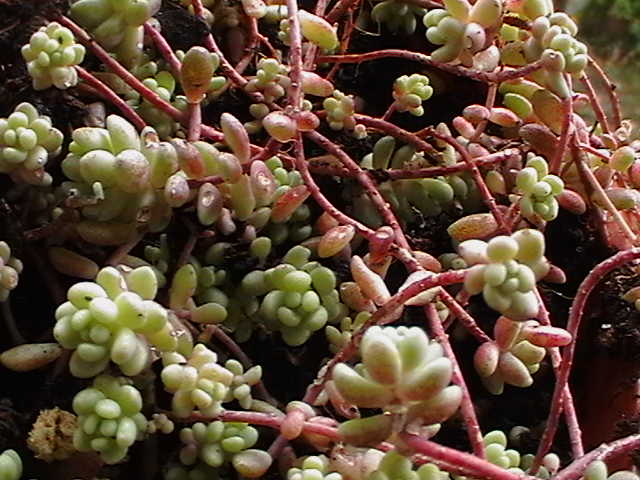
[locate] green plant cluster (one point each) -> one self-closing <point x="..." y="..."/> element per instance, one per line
<point x="397" y="15"/>
<point x="51" y="55"/>
<point x="27" y="140"/>
<point x="199" y="383"/>
<point x="109" y="418"/>
<point x="539" y="190"/>
<point x="10" y="268"/>
<point x="113" y="319"/>
<point x="117" y="26"/>
<point x="506" y="270"/>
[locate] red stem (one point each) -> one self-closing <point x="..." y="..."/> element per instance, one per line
<point x="463" y="463"/>
<point x="295" y="56"/>
<point x="395" y="131"/>
<point x="466" y="406"/>
<point x="573" y="324"/>
<point x="195" y="122"/>
<point x="462" y="315"/>
<point x="565" y="135"/>
<point x="367" y="183"/>
<point x="477" y="177"/>
<point x="164" y="48"/>
<point x="494" y="77"/>
<point x="111" y="96"/>
<point x="611" y="91"/>
<point x="595" y="104"/>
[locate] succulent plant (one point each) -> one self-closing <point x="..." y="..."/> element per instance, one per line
<point x="51" y="55"/>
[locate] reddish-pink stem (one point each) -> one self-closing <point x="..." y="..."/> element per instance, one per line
<point x="395" y="131"/>
<point x="570" y="416"/>
<point x="466" y="406"/>
<point x="477" y="177"/>
<point x="327" y="206"/>
<point x="463" y="463"/>
<point x="595" y="104"/>
<point x="595" y="151"/>
<point x="366" y="182"/>
<point x="611" y="91"/>
<point x="462" y="315"/>
<point x="565" y="135"/>
<point x="110" y="96"/>
<point x="573" y="324"/>
<point x="390" y="111"/>
<point x="195" y="122"/>
<point x="164" y="48"/>
<point x="121" y="71"/>
<point x="295" y="56"/>
<point x="494" y="77"/>
<point x="427" y="172"/>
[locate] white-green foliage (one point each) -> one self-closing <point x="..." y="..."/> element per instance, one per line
<point x="462" y="31"/>
<point x="10" y="268"/>
<point x="271" y="79"/>
<point x="51" y="55"/>
<point x="217" y="443"/>
<point x="27" y="139"/>
<point x="114" y="319"/>
<point x="507" y="271"/>
<point x="317" y="467"/>
<point x="409" y="91"/>
<point x="199" y="383"/>
<point x="116" y="25"/>
<point x="296" y="298"/>
<point x="121" y="173"/>
<point x="401" y="372"/>
<point x="598" y="471"/>
<point x="551" y="38"/>
<point x="10" y="465"/>
<point x="395" y="466"/>
<point x="340" y="109"/>
<point x="397" y="15"/>
<point x="109" y="418"/>
<point x="429" y="196"/>
<point x="539" y="190"/>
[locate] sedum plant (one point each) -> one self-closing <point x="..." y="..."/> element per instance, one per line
<point x="27" y="139"/>
<point x="10" y="465"/>
<point x="402" y="372"/>
<point x="506" y="271"/>
<point x="114" y="319"/>
<point x="10" y="268"/>
<point x="50" y="55"/>
<point x="221" y="201"/>
<point x="109" y="418"/>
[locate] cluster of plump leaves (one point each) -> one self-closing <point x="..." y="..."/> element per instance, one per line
<point x="117" y="26"/>
<point x="296" y="298"/>
<point x="208" y="447"/>
<point x="428" y="196"/>
<point x="200" y="384"/>
<point x="27" y="140"/>
<point x="109" y="418"/>
<point x="113" y="319"/>
<point x="539" y="190"/>
<point x="402" y="371"/>
<point x="51" y="55"/>
<point x="506" y="270"/>
<point x="10" y="268"/>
